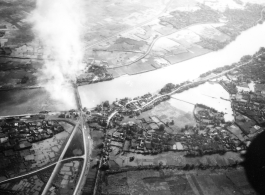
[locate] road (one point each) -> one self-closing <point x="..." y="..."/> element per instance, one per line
<point x="110" y="117"/>
<point x="189" y="84"/>
<point x="58" y="164"/>
<point x="43" y="168"/>
<point x="180" y="88"/>
<point x="60" y="160"/>
<point x="153" y="43"/>
<point x="86" y="139"/>
<point x="161" y="36"/>
<point x="108" y="38"/>
<point x="130" y="102"/>
<point x="87" y="145"/>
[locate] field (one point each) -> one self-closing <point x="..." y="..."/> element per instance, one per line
<point x="172" y="158"/>
<point x="128" y="37"/>
<point x="208" y="31"/>
<point x="173" y="59"/>
<point x="186" y="29"/>
<point x="76" y="147"/>
<point x="118" y="58"/>
<point x="175" y="47"/>
<point x="171" y="182"/>
<point x="106" y="18"/>
<point x="32" y="184"/>
<point x="165" y="111"/>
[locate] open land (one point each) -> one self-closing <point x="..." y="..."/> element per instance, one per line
<point x="141" y="38"/>
<point x="172" y="37"/>
<point x="140" y="145"/>
<point x="170" y="181"/>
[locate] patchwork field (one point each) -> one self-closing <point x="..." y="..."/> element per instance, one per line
<point x="171" y="182"/>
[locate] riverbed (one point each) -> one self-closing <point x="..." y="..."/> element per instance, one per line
<point x="131" y="86"/>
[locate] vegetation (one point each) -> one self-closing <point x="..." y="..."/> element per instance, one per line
<point x="181" y="19"/>
<point x="167" y="89"/>
<point x="240" y="20"/>
<point x="212" y="44"/>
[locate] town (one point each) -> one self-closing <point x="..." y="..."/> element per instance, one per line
<point x="126" y="137"/>
<point x="168" y="122"/>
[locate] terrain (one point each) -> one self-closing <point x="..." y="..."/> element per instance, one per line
<point x="126" y="38"/>
<point x="135" y="136"/>
<point x="167" y="142"/>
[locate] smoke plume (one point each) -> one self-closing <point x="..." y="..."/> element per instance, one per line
<point x="58" y="26"/>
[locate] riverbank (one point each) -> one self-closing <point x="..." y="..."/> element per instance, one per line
<point x="133" y="107"/>
<point x="245" y="44"/>
<point x="145" y="71"/>
<point x="135" y="138"/>
<point x="187" y="39"/>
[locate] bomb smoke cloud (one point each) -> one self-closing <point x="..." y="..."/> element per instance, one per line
<point x="58" y="26"/>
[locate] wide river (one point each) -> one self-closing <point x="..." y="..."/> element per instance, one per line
<point x="131" y="86"/>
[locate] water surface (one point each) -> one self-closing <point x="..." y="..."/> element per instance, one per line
<point x="131" y="86"/>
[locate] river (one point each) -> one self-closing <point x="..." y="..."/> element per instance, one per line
<point x="131" y="86"/>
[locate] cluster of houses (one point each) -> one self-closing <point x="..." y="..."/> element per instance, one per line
<point x="205" y="115"/>
<point x="30" y="185"/>
<point x="18" y="150"/>
<point x="212" y="140"/>
<point x="250" y="109"/>
<point x="125" y="107"/>
<point x="247" y="90"/>
<point x="147" y="135"/>
<point x="94" y="72"/>
<point x="229" y="87"/>
<point x="20" y="135"/>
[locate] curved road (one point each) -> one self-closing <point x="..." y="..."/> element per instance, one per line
<point x="153" y="43"/>
<point x="111" y="116"/>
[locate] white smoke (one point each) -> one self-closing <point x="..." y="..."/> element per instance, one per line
<point x="58" y="26"/>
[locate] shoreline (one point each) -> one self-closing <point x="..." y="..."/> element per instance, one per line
<point x="174" y="63"/>
<point x="232" y="39"/>
<point x="144" y="71"/>
<point x="200" y="80"/>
